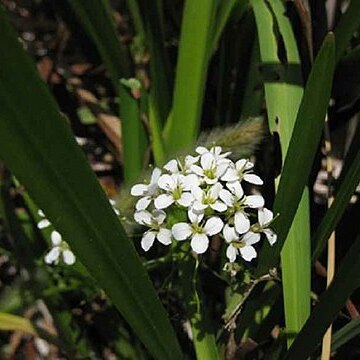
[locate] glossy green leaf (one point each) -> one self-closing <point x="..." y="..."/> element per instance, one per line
<point x="96" y="18"/>
<point x="331" y="302"/>
<point x="183" y="124"/>
<point x="280" y="59"/>
<point x="306" y="136"/>
<point x="38" y="147"/>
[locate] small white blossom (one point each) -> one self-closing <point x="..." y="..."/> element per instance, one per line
<point x="236" y="200"/>
<point x="199" y="233"/>
<point x="205" y="198"/>
<point x="181" y="166"/>
<point x="215" y="151"/>
<point x="147" y="191"/>
<point x="240" y="171"/>
<point x="239" y="246"/>
<point x="265" y="218"/>
<point x="211" y="168"/>
<point x="155" y="221"/>
<point x="60" y="247"/>
<point x="177" y="189"/>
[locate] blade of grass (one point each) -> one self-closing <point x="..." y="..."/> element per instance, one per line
<point x="95" y="16"/>
<point x="10" y="322"/>
<point x="182" y="125"/>
<point x="132" y="134"/>
<point x="331" y="302"/>
<point x="70" y="195"/>
<point x="306" y="135"/>
<point x="279" y="54"/>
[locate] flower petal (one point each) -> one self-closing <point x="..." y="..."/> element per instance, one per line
<point x="207" y="161"/>
<point x="155" y="176"/>
<point x="271" y="236"/>
<point x="236" y="188"/>
<point x="242" y="223"/>
<point x="186" y="199"/>
<point x="218" y="206"/>
<point x="199" y="243"/>
<point x="215" y="190"/>
<point x="68" y="257"/>
<point x="163" y="201"/>
<point x="56" y="238"/>
<point x="248" y="253"/>
<point x="159" y="216"/>
<point x="230" y="175"/>
<point x="199" y="206"/>
<point x="201" y="150"/>
<point x="147" y="240"/>
<point x="164" y="236"/>
<point x="189" y="181"/>
<point x="230" y="233"/>
<point x="43" y="223"/>
<point x="197" y="170"/>
<point x="195" y="216"/>
<point x="41" y="213"/>
<point x="181" y="231"/>
<point x="213" y="226"/>
<point x="254" y="201"/>
<point x="251" y="238"/>
<point x="166" y="182"/>
<point x="143" y="217"/>
<point x="139" y="190"/>
<point x="53" y="255"/>
<point x="172" y="166"/>
<point x="265" y="216"/>
<point x="226" y="197"/>
<point x="231" y="253"/>
<point x="143" y="203"/>
<point x="253" y="179"/>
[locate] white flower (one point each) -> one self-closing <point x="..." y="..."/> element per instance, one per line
<point x="198" y="233"/>
<point x="181" y="166"/>
<point x="147" y="191"/>
<point x="155" y="221"/>
<point x="238" y="202"/>
<point x="208" y="198"/>
<point x="211" y="168"/>
<point x="177" y="189"/>
<point x="60" y="247"/>
<point x="239" y="246"/>
<point x="215" y="151"/>
<point x="240" y="171"/>
<point x="265" y="218"/>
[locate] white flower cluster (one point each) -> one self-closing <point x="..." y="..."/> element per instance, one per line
<point x="206" y="192"/>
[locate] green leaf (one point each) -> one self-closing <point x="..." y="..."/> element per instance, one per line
<point x="331" y="302"/>
<point x="302" y="148"/>
<point x="345" y="334"/>
<point x="183" y="124"/>
<point x="95" y="16"/>
<point x="133" y="139"/>
<point x="10" y="322"/>
<point x="280" y="59"/>
<point x="45" y="158"/>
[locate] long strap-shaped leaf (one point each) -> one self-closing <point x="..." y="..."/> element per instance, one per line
<point x="38" y="147"/>
<point x="302" y="148"/>
<point x="183" y="124"/>
<point x="282" y="101"/>
<point x="346" y="280"/>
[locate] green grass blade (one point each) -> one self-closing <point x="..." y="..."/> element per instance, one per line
<point x="342" y="197"/>
<point x="132" y="132"/>
<point x="306" y="136"/>
<point x="345" y="334"/>
<point x="10" y="322"/>
<point x="44" y="156"/>
<point x="348" y="24"/>
<point x="331" y="302"/>
<point x="283" y="99"/>
<point x="95" y="17"/>
<point x="183" y="124"/>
